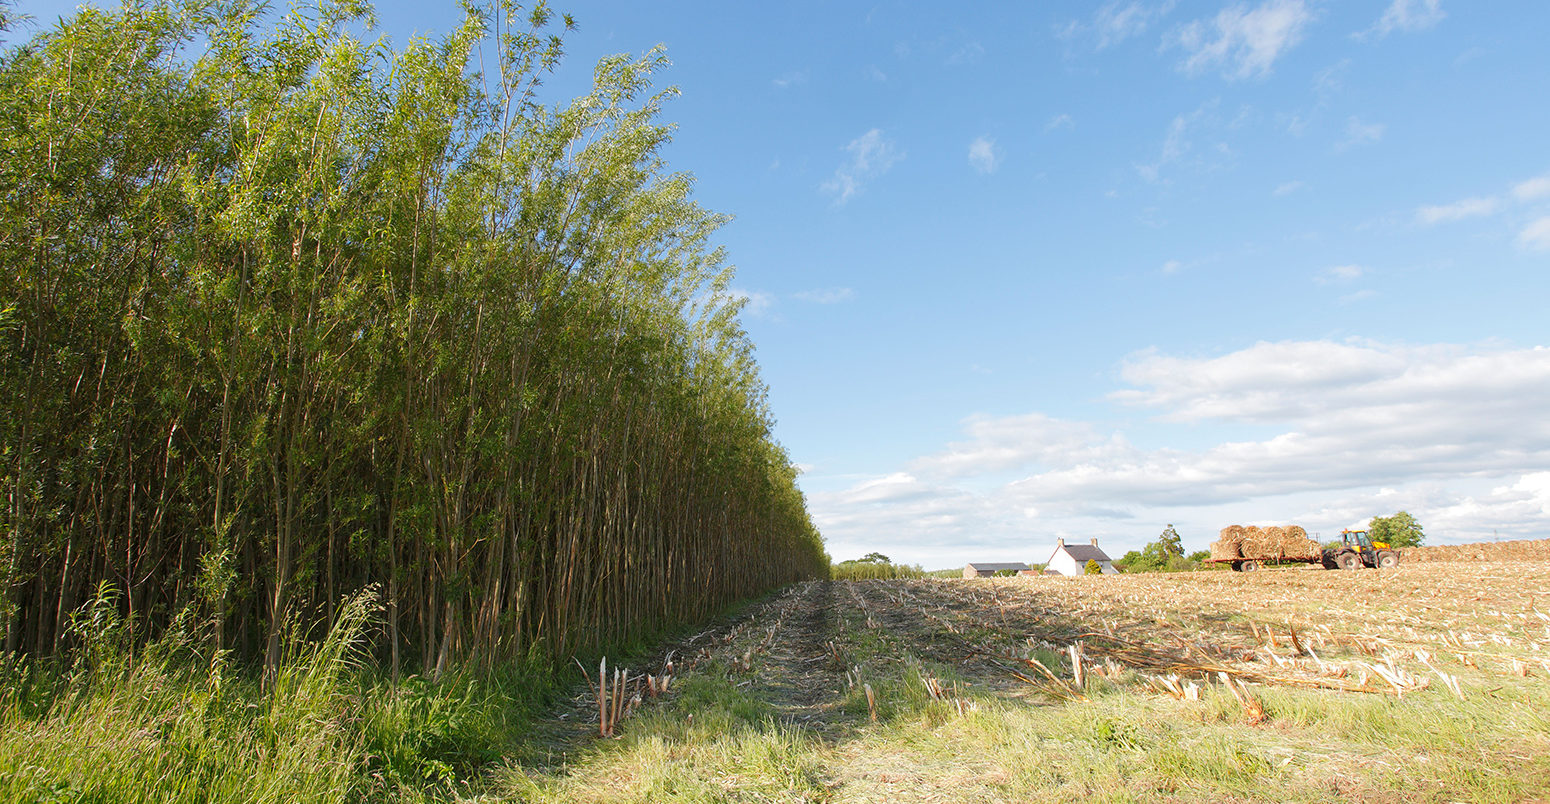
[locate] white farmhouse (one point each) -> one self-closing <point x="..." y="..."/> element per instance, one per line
<point x="1072" y="559"/>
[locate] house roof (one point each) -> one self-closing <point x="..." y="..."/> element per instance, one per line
<point x="1086" y="552"/>
<point x="983" y="566"/>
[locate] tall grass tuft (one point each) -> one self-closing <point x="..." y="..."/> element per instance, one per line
<point x="176" y="722"/>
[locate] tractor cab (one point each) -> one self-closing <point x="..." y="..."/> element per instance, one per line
<point x="1360" y="540"/>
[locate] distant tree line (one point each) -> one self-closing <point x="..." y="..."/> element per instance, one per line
<point x="1166" y="554"/>
<point x="872" y="567"/>
<point x="285" y="313"/>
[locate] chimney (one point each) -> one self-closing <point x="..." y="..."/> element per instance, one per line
<point x="1095" y="541"/>
<point x="1060" y="542"/>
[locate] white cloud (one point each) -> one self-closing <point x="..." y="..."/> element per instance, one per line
<point x="1060" y="121"/>
<point x="1409" y="16"/>
<point x="1536" y="235"/>
<point x="966" y="53"/>
<point x="1457" y="211"/>
<point x="1339" y="274"/>
<point x="1174" y="146"/>
<point x="984" y="155"/>
<point x="871" y="155"/>
<point x="756" y="303"/>
<point x="1178" y="142"/>
<point x="1359" y="133"/>
<point x="789" y="80"/>
<point x="1324" y="433"/>
<point x="1245" y="42"/>
<point x="826" y="295"/>
<point x="1287" y="188"/>
<point x="1533" y="189"/>
<point x="872" y="72"/>
<point x="1171" y="267"/>
<point x="1114" y="23"/>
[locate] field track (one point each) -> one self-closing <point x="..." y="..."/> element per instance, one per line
<point x="1337" y="683"/>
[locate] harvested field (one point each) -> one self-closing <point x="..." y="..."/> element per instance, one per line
<point x="1423" y="683"/>
<point x="1519" y="550"/>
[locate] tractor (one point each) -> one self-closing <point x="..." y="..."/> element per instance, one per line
<point x="1357" y="550"/>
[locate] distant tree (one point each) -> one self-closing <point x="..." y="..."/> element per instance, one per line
<point x="1164" y="555"/>
<point x="1092" y="568"/>
<point x="1399" y="530"/>
<point x="1199" y="556"/>
<point x="874" y="558"/>
<point x="1137" y="561"/>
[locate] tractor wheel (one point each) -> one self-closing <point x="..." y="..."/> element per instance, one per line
<point x="1237" y="566"/>
<point x="1388" y="559"/>
<point x="1250" y="566"/>
<point x="1329" y="561"/>
<point x="1348" y="561"/>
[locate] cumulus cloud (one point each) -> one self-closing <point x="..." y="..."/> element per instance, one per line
<point x="984" y="155"/>
<point x="1536" y="235"/>
<point x="870" y="156"/>
<point x="1244" y="42"/>
<point x="1329" y="432"/>
<point x="1409" y="16"/>
<point x="1457" y="211"/>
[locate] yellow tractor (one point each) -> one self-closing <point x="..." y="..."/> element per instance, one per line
<point x="1357" y="550"/>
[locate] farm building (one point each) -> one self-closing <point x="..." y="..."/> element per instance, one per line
<point x="1071" y="559"/>
<point x="981" y="569"/>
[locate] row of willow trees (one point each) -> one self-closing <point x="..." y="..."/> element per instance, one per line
<point x="286" y="312"/>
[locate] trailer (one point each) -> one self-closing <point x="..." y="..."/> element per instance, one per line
<point x="1246" y="549"/>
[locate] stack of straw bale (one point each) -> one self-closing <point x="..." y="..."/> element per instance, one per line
<point x="1520" y="550"/>
<point x="1255" y="542"/>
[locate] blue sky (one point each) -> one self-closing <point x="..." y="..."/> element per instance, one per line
<point x="1020" y="271"/>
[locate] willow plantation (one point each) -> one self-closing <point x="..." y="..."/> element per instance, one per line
<point x="287" y="314"/>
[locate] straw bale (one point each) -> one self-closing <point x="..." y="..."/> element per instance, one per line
<point x="1225" y="550"/>
<point x="1273" y="542"/>
<point x="1519" y="550"/>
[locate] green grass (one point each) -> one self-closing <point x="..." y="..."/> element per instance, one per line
<point x="172" y="722"/>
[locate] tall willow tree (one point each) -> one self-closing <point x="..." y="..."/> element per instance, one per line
<point x="284" y="313"/>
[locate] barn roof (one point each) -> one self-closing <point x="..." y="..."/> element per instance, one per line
<point x="983" y="566"/>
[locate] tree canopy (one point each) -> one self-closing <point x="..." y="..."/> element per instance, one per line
<point x="1399" y="530"/>
<point x="289" y="313"/>
<point x="1166" y="554"/>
